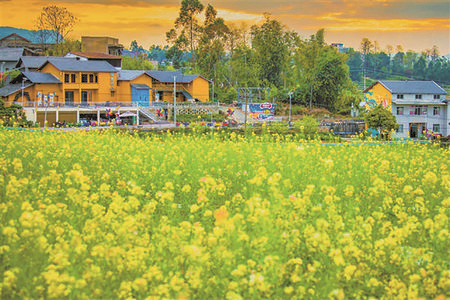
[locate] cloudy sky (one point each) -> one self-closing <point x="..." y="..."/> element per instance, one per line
<point x="413" y="24"/>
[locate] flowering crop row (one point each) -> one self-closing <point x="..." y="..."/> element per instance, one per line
<point x="105" y="215"/>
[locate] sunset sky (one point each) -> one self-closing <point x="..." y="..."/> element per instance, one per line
<point x="414" y="24"/>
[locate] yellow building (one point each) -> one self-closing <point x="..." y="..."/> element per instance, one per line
<point x="188" y="87"/>
<point x="65" y="86"/>
<point x="83" y="82"/>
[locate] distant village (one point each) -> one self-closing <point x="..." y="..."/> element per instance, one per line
<point x="86" y="86"/>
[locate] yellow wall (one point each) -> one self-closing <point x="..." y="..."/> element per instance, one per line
<point x="97" y="44"/>
<point x="124" y="88"/>
<point x="199" y="88"/>
<point x="376" y="95"/>
<point x="100" y="91"/>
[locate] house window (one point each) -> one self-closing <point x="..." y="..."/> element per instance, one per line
<point x="91" y="78"/>
<point x="400" y="128"/>
<point x="66" y="78"/>
<point x="399" y="96"/>
<point x="436" y="111"/>
<point x="84" y="97"/>
<point x="69" y="97"/>
<point x="400" y="111"/>
<point x="436" y="127"/>
<point x="84" y="78"/>
<point x="418" y="97"/>
<point x="72" y="78"/>
<point x="418" y="110"/>
<point x="437" y="97"/>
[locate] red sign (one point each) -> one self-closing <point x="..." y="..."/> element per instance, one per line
<point x="266" y="105"/>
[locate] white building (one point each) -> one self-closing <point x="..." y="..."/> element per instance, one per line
<point x="419" y="106"/>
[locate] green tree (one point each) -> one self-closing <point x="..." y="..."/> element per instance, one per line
<point x="57" y="20"/>
<point x="136" y="63"/>
<point x="321" y="72"/>
<point x="381" y="119"/>
<point x="176" y="56"/>
<point x="13" y="114"/>
<point x="271" y="49"/>
<point x="188" y="25"/>
<point x="63" y="48"/>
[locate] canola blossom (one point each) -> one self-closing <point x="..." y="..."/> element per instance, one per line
<point x="108" y="215"/>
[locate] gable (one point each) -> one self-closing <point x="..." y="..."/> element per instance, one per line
<point x="14" y="37"/>
<point x="377" y="94"/>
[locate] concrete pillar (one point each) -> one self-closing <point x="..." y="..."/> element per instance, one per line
<point x="137" y="116"/>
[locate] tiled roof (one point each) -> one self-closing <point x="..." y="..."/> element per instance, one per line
<point x="38" y="77"/>
<point x="129" y="74"/>
<point x="168" y="76"/>
<point x="412" y="87"/>
<point x="10" y="54"/>
<point x="12" y="88"/>
<point x="81" y="66"/>
<point x="141" y="86"/>
<point x="37" y="61"/>
<point x="95" y="55"/>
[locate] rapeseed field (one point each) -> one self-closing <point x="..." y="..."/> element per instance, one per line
<point x="109" y="215"/>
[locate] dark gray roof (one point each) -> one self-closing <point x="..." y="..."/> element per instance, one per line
<point x="167" y="76"/>
<point x="37" y="61"/>
<point x="141" y="86"/>
<point x="12" y="88"/>
<point x="10" y="54"/>
<point x="129" y="74"/>
<point x="38" y="77"/>
<point x="187" y="95"/>
<point x="164" y="76"/>
<point x="412" y="87"/>
<point x="81" y="66"/>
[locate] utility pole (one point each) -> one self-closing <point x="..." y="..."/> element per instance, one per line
<point x="23" y="83"/>
<point x="175" y="100"/>
<point x="290" y="107"/>
<point x="246" y="106"/>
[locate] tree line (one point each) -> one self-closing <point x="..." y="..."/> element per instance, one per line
<point x="373" y="62"/>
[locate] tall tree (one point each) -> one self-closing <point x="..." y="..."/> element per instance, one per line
<point x="58" y="20"/>
<point x="188" y="23"/>
<point x="210" y="61"/>
<point x="269" y="43"/>
<point x="321" y="72"/>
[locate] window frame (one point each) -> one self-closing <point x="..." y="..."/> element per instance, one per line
<point x="436" y="111"/>
<point x="438" y="126"/>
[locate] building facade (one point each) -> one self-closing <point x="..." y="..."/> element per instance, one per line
<point x="420" y="107"/>
<point x="66" y="85"/>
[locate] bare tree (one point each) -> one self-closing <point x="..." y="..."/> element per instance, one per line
<point x="57" y="20"/>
